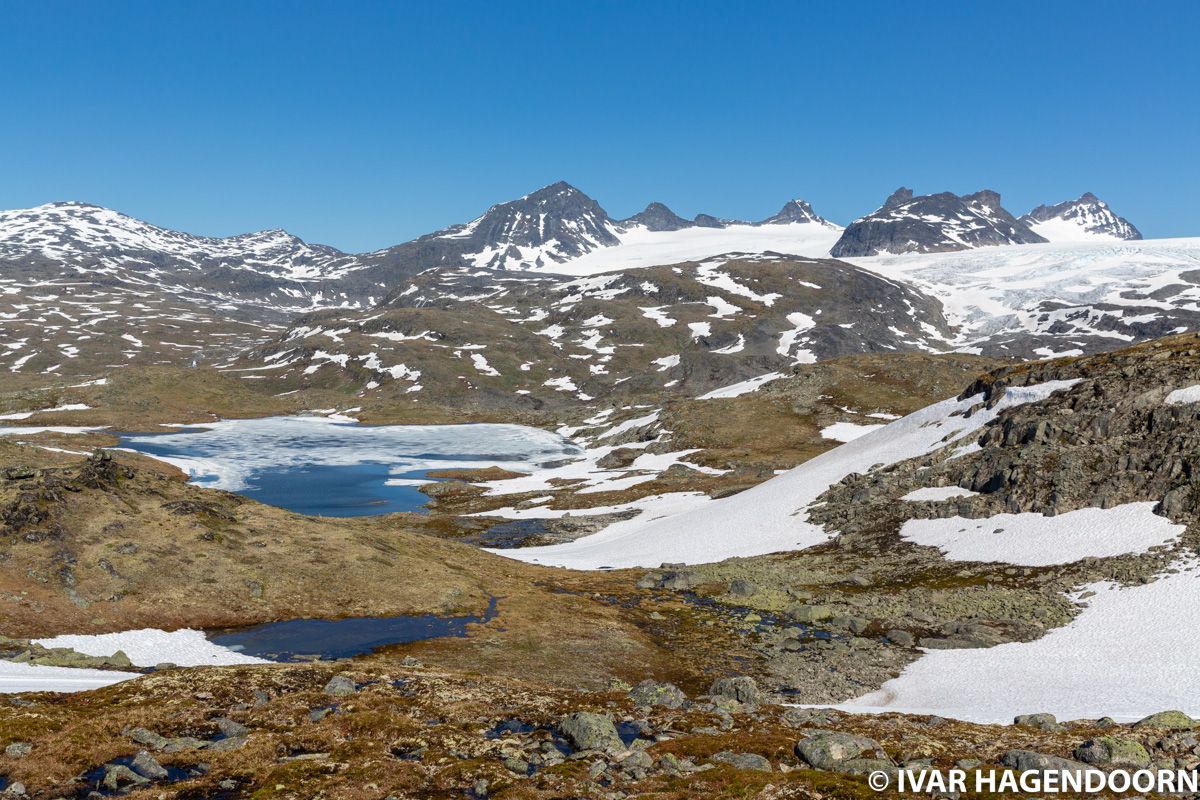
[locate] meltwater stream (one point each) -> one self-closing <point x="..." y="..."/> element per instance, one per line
<point x="333" y="468"/>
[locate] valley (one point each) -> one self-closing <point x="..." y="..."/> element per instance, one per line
<point x="678" y="502"/>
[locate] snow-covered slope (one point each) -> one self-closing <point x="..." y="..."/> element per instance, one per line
<point x="102" y="239"/>
<point x="1086" y="219"/>
<point x="1058" y="299"/>
<point x="771" y="517"/>
<point x="641" y="247"/>
<point x="1126" y="656"/>
<point x="559" y="229"/>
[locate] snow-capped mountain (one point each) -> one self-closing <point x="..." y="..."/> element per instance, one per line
<point x="558" y="228"/>
<point x="1086" y="219"/>
<point x="99" y="238"/>
<point x="797" y="211"/>
<point x="934" y="223"/>
<point x="549" y="226"/>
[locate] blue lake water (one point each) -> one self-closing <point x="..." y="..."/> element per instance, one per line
<point x="302" y="639"/>
<point x="324" y="467"/>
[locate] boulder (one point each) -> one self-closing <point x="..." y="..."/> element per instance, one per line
<point x="119" y="776"/>
<point x="741" y="587"/>
<point x="1116" y="751"/>
<point x="1043" y="722"/>
<point x="653" y="693"/>
<point x="1166" y="719"/>
<point x="740" y="690"/>
<point x="837" y="751"/>
<point x="743" y="760"/>
<point x="340" y="686"/>
<point x="118" y="660"/>
<point x="589" y="731"/>
<point x="18" y="749"/>
<point x="230" y="729"/>
<point x="147" y="766"/>
<point x="808" y="615"/>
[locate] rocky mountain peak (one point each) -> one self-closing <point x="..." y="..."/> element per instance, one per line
<point x="796" y="211"/>
<point x="657" y="217"/>
<point x="1085" y="218"/>
<point x="933" y="223"/>
<point x="551" y="225"/>
<point x="898" y="197"/>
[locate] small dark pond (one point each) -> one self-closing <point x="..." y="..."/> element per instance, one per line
<point x="307" y="639"/>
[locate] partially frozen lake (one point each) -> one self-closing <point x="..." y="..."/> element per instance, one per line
<point x="335" y="468"/>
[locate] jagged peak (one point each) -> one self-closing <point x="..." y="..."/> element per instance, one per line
<point x="898" y="197"/>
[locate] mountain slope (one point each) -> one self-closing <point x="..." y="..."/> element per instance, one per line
<point x="514" y="340"/>
<point x="105" y="241"/>
<point x="933" y="224"/>
<point x="1086" y="219"/>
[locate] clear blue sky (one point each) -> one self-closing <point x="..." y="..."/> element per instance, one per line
<point x="364" y="124"/>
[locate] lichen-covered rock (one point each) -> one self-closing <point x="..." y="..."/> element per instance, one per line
<point x="654" y="693"/>
<point x="740" y="690"/>
<point x="743" y="760"/>
<point x="340" y="686"/>
<point x="147" y="766"/>
<point x="589" y="731"/>
<point x="1043" y="722"/>
<point x="1167" y="719"/>
<point x="834" y="750"/>
<point x="1116" y="751"/>
<point x="18" y="749"/>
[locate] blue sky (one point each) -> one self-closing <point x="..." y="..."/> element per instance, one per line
<point x="365" y="124"/>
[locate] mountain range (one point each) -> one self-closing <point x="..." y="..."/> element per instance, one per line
<point x="588" y="304"/>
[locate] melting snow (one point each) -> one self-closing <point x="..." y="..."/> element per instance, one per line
<point x="1034" y="540"/>
<point x="1130" y="653"/>
<point x="771" y="517"/>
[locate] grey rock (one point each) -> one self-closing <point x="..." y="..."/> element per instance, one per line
<point x="148" y="738"/>
<point x="741" y="689"/>
<point x="1042" y="722"/>
<point x="589" y="731"/>
<point x="834" y="750"/>
<point x="807" y="615"/>
<point x="654" y="693"/>
<point x="148" y="767"/>
<point x="18" y="749"/>
<point x="741" y="587"/>
<point x="340" y="686"/>
<point x="231" y="729"/>
<point x="797" y="717"/>
<point x="1166" y="719"/>
<point x="517" y="766"/>
<point x="901" y="638"/>
<point x="743" y="760"/>
<point x="1116" y="751"/>
<point x="119" y="776"/>
<point x="228" y="743"/>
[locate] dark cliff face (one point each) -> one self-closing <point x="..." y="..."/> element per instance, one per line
<point x="932" y="224"/>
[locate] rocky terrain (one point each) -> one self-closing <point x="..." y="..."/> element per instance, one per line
<point x="686" y="383"/>
<point x="599" y="702"/>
